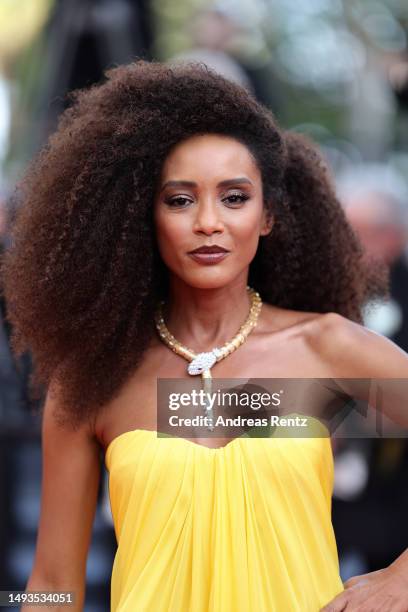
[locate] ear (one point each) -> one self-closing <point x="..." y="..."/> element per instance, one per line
<point x="267" y="222"/>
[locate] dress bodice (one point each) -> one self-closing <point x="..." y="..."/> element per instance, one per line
<point x="243" y="527"/>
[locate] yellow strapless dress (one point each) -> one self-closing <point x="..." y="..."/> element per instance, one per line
<point x="246" y="527"/>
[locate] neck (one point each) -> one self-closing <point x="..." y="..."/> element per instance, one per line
<point x="204" y="318"/>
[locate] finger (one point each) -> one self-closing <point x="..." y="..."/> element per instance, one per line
<point x="338" y="604"/>
<point x="361" y="577"/>
<point x="355" y="581"/>
<point x="351" y="582"/>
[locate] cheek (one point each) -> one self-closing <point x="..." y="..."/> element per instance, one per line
<point x="246" y="228"/>
<point x="171" y="233"/>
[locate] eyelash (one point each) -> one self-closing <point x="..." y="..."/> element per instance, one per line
<point x="242" y="197"/>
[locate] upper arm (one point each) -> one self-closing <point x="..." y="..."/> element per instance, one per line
<point x="70" y="481"/>
<point x="356" y="354"/>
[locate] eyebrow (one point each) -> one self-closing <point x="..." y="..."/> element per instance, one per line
<point x="240" y="180"/>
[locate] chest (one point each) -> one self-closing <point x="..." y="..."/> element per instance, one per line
<point x="136" y="405"/>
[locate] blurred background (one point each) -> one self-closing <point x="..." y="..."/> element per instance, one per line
<point x="334" y="69"/>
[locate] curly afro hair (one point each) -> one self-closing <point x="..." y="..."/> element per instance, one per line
<point x="83" y="275"/>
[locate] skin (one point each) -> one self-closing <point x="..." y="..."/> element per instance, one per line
<point x="206" y="307"/>
<point x="207" y="214"/>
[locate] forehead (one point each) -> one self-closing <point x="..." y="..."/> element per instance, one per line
<point x="209" y="155"/>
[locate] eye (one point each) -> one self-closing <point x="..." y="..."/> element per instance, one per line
<point x="236" y="198"/>
<point x="178" y="202"/>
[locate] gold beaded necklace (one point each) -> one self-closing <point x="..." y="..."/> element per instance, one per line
<point x="202" y="363"/>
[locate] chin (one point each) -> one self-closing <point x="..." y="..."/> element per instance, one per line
<point x="208" y="281"/>
<point x="202" y="284"/>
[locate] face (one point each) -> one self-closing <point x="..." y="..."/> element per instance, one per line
<point x="210" y="194"/>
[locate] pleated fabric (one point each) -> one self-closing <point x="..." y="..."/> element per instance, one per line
<point x="246" y="527"/>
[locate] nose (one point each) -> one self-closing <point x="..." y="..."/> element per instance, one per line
<point x="207" y="220"/>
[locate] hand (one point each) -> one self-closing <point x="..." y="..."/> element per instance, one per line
<point x="385" y="590"/>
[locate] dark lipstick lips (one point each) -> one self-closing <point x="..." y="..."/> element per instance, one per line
<point x="209" y="249"/>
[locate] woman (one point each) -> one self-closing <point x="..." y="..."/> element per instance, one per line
<point x="143" y="170"/>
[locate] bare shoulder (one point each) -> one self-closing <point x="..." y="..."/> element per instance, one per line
<point x="354" y="350"/>
<point x="344" y="347"/>
<point x="280" y="319"/>
<point x="57" y="425"/>
<point x="330" y="327"/>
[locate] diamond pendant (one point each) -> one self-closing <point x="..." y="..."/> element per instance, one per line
<point x="209" y="412"/>
<point x="203" y="361"/>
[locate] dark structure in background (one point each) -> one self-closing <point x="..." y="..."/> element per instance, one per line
<point x="372" y="528"/>
<point x="399" y="85"/>
<point x="370" y="518"/>
<point x="84" y="38"/>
